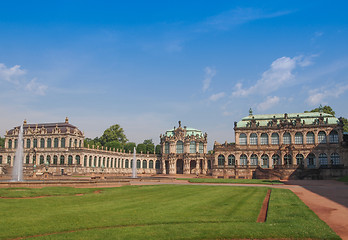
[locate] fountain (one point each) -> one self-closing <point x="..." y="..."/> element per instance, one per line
<point x="17" y="172"/>
<point x="134" y="168"/>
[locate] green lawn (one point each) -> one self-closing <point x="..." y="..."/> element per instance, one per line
<point x="160" y="212"/>
<point x="225" y="180"/>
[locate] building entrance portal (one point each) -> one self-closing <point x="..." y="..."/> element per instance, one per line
<point x="192" y="167"/>
<point x="167" y="167"/>
<point x="179" y="166"/>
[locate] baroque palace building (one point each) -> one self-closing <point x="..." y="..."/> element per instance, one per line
<point x="297" y="145"/>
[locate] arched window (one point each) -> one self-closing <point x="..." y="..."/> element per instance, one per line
<point x="264" y="139"/>
<point x="62" y="143"/>
<point x="323" y="159"/>
<point x="322" y="137"/>
<point x="192" y="147"/>
<point x="49" y="143"/>
<point x="144" y="164"/>
<point x="75" y="143"/>
<point x="288" y="159"/>
<point x="151" y="164"/>
<point x="209" y="164"/>
<point x="77" y="158"/>
<point x="311" y="160"/>
<point x="179" y="147"/>
<point x="107" y="162"/>
<point x="42" y="143"/>
<point x="221" y="160"/>
<point x="61" y="160"/>
<point x="253" y="160"/>
<point x="265" y="161"/>
<point x="119" y="163"/>
<point x="27" y="159"/>
<point x="85" y="161"/>
<point x="333" y="136"/>
<point x="99" y="162"/>
<point x="243" y="160"/>
<point x="55" y="160"/>
<point x="166" y="147"/>
<point x="0" y="159"/>
<point x="126" y="164"/>
<point x="95" y="161"/>
<point x="158" y="164"/>
<point x="90" y="161"/>
<point x="299" y="159"/>
<point x="253" y="139"/>
<point x="298" y="138"/>
<point x="70" y="160"/>
<point x="42" y="159"/>
<point x="104" y="164"/>
<point x="310" y="138"/>
<point x="28" y="143"/>
<point x="10" y="143"/>
<point x="335" y="159"/>
<point x="35" y="143"/>
<point x="80" y="144"/>
<point x="70" y="142"/>
<point x="242" y="139"/>
<point x="275" y="138"/>
<point x="200" y="147"/>
<point x="276" y="160"/>
<point x="9" y="160"/>
<point x="34" y="159"/>
<point x="286" y="138"/>
<point x="231" y="160"/>
<point x="56" y="142"/>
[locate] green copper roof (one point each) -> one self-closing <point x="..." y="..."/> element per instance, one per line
<point x="308" y="118"/>
<point x="189" y="132"/>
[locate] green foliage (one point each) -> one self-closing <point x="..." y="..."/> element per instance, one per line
<point x="141" y="148"/>
<point x="148" y="141"/>
<point x="158" y="149"/>
<point x="325" y="109"/>
<point x="129" y="146"/>
<point x="345" y="124"/>
<point x="114" y="144"/>
<point x="343" y="179"/>
<point x="162" y="212"/>
<point x="2" y="142"/>
<point x="113" y="133"/>
<point x="92" y="142"/>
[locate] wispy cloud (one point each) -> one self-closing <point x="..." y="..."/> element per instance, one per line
<point x="280" y="72"/>
<point x="216" y="96"/>
<point x="17" y="76"/>
<point x="268" y="103"/>
<point x="319" y="95"/>
<point x="210" y="72"/>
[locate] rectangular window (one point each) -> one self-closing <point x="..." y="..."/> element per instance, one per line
<point x="201" y="148"/>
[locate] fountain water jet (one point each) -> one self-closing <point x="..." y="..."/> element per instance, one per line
<point x="134" y="167"/>
<point x="17" y="172"/>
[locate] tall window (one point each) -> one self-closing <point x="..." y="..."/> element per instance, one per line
<point x="144" y="164"/>
<point x="333" y="136"/>
<point x="0" y="159"/>
<point x="242" y="139"/>
<point x="42" y="143"/>
<point x="221" y="160"/>
<point x="77" y="158"/>
<point x="286" y="138"/>
<point x="323" y="159"/>
<point x="265" y="162"/>
<point x="275" y="139"/>
<point x="264" y="139"/>
<point x="179" y="147"/>
<point x="298" y="138"/>
<point x="276" y="160"/>
<point x="27" y="159"/>
<point x="70" y="160"/>
<point x="335" y="159"/>
<point x="62" y="143"/>
<point x="311" y="160"/>
<point x="28" y="143"/>
<point x="56" y="142"/>
<point x="299" y="159"/>
<point x="322" y="137"/>
<point x="70" y="142"/>
<point x="80" y="143"/>
<point x="90" y="161"/>
<point x="55" y="160"/>
<point x="231" y="160"/>
<point x="192" y="147"/>
<point x="85" y="161"/>
<point x="48" y="160"/>
<point x="9" y="160"/>
<point x="158" y="164"/>
<point x="126" y="165"/>
<point x="138" y="164"/>
<point x="253" y="160"/>
<point x="49" y="143"/>
<point x="310" y="138"/>
<point x="288" y="159"/>
<point x="166" y="147"/>
<point x="253" y="139"/>
<point x="35" y="143"/>
<point x="151" y="164"/>
<point x="61" y="160"/>
<point x="42" y="159"/>
<point x="200" y="147"/>
<point x="75" y="143"/>
<point x="9" y="143"/>
<point x="243" y="160"/>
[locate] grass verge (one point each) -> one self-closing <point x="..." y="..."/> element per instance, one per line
<point x="224" y="180"/>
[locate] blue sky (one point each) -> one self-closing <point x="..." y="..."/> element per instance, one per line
<point x="147" y="64"/>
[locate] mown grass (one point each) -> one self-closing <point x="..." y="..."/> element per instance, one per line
<point x="225" y="180"/>
<point x="162" y="212"/>
<point x="46" y="191"/>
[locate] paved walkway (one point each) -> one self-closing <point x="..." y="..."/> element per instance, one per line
<point x="326" y="198"/>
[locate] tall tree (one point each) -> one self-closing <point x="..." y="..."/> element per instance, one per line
<point x="150" y="147"/>
<point x="114" y="144"/>
<point x="129" y="146"/>
<point x="2" y="142"/>
<point x="325" y="109"/>
<point x="141" y="148"/>
<point x="158" y="149"/>
<point x="113" y="133"/>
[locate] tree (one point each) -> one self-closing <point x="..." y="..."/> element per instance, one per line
<point x="158" y="149"/>
<point x="2" y="142"/>
<point x="325" y="109"/>
<point x="114" y="144"/>
<point x="141" y="148"/>
<point x="129" y="146"/>
<point x="113" y="133"/>
<point x="92" y="142"/>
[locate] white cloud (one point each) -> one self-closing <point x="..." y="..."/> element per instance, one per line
<point x="319" y="95"/>
<point x="268" y="103"/>
<point x="217" y="96"/>
<point x="210" y="72"/>
<point x="11" y="74"/>
<point x="280" y="72"/>
<point x="16" y="75"/>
